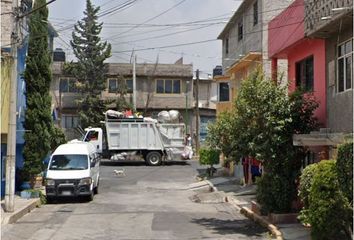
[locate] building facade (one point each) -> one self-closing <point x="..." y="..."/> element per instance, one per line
<point x="332" y="21"/>
<point x="158" y="87"/>
<point x="245" y="46"/>
<point x="305" y="56"/>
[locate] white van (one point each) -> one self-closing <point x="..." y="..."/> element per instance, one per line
<point x="73" y="170"/>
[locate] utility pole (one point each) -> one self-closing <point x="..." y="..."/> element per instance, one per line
<point x="134" y="83"/>
<point x="197" y="112"/>
<point x="11" y="136"/>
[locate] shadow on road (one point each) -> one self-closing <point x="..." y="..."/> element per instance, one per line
<point x="226" y="227"/>
<point x="141" y="163"/>
<point x="63" y="200"/>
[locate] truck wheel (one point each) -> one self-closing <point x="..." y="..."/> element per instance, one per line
<point x="153" y="158"/>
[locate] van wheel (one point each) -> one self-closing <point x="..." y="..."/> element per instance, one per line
<point x="90" y="197"/>
<point x="153" y="158"/>
<point x="50" y="200"/>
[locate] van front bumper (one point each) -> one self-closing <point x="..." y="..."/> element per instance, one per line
<point x="65" y="188"/>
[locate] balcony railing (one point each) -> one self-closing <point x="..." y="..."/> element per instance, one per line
<point x="321" y="14"/>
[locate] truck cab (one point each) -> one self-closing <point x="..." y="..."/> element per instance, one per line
<point x="95" y="137"/>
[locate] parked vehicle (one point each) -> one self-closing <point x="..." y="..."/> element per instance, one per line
<point x="136" y="138"/>
<point x="73" y="170"/>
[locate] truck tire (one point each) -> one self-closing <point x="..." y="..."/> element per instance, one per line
<point x="153" y="158"/>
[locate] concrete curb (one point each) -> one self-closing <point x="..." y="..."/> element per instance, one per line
<point x="255" y="217"/>
<point x="17" y="214"/>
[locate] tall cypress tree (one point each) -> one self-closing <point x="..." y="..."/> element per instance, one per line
<point x="38" y="119"/>
<point x="90" y="69"/>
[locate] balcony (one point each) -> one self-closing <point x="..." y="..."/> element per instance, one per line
<point x="324" y="17"/>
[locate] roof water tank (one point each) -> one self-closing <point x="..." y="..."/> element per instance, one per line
<point x="59" y="55"/>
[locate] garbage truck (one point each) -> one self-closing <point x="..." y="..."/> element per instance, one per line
<point x="132" y="138"/>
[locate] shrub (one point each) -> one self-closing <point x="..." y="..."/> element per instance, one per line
<point x="275" y="193"/>
<point x="329" y="212"/>
<point x="306" y="180"/>
<point x="209" y="156"/>
<point x="345" y="169"/>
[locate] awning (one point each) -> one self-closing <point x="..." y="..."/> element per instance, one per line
<point x="251" y="57"/>
<point x="320" y="139"/>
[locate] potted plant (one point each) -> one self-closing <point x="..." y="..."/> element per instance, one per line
<point x="209" y="156"/>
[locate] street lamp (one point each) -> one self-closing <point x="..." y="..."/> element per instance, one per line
<point x="186" y="114"/>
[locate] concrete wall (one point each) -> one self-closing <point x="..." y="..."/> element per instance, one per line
<point x="6" y="6"/>
<point x="340" y="105"/>
<point x="270" y="9"/>
<point x="252" y="34"/>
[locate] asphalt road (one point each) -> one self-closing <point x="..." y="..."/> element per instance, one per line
<point x="146" y="203"/>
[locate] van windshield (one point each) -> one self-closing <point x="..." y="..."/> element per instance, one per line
<point x="69" y="162"/>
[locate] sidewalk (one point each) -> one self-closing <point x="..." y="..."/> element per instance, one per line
<point x="240" y="197"/>
<point x="22" y="206"/>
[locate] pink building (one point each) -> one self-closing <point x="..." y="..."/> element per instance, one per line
<point x="306" y="57"/>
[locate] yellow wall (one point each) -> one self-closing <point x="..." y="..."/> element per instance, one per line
<point x="5" y="93"/>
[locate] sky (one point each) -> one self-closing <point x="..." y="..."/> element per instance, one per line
<point x="142" y="24"/>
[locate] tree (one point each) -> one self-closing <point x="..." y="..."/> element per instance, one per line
<point x="219" y="136"/>
<point x="90" y="69"/>
<point x="38" y="119"/>
<point x="265" y="120"/>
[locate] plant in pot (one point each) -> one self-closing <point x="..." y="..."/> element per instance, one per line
<point x="209" y="156"/>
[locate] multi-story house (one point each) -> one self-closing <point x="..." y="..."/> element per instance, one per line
<point x="317" y="41"/>
<point x="245" y="46"/>
<point x="332" y="21"/>
<point x="158" y="87"/>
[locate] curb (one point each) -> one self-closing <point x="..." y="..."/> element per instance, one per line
<point x="255" y="217"/>
<point x="17" y="214"/>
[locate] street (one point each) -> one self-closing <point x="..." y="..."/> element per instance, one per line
<point x="146" y="203"/>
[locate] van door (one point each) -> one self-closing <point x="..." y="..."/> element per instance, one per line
<point x="94" y="168"/>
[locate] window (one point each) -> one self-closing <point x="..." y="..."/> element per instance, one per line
<point x="113" y="85"/>
<point x="68" y="162"/>
<point x="240" y="31"/>
<point x="255" y="13"/>
<point x="168" y="86"/>
<point x="69" y="121"/>
<point x="304" y="74"/>
<point x="227" y="45"/>
<point x="68" y="85"/>
<point x="345" y="66"/>
<point x="224" y="92"/>
<point x="129" y="83"/>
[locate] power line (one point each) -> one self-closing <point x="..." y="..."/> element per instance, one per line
<point x="169" y="34"/>
<point x="150" y="19"/>
<point x="168" y="46"/>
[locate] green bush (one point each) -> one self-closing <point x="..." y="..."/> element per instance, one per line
<point x="208" y="156"/>
<point x="275" y="193"/>
<point x="329" y="212"/>
<point x="306" y="180"/>
<point x="345" y="169"/>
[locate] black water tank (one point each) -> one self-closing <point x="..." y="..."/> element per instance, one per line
<point x="217" y="71"/>
<point x="59" y="55"/>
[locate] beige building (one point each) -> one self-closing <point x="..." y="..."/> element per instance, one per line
<point x="159" y="87"/>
